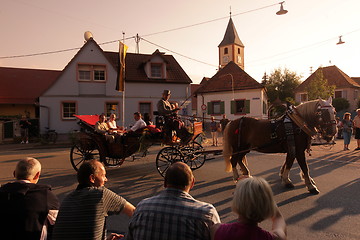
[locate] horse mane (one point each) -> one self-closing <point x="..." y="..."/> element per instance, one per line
<point x="307" y="111"/>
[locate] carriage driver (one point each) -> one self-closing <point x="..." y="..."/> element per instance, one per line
<point x="102" y="128"/>
<point x="169" y="112"/>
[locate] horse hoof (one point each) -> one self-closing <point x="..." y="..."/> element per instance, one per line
<point x="289" y="185"/>
<point x="314" y="191"/>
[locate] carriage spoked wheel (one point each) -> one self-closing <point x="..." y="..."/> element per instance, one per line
<point x="113" y="161"/>
<point x="166" y="157"/>
<point x="193" y="155"/>
<point x="79" y="154"/>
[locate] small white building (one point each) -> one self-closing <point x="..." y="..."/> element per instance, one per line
<point x="87" y="85"/>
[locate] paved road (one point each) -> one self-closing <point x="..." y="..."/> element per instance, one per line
<point x="333" y="214"/>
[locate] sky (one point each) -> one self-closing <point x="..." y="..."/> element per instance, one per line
<point x="303" y="39"/>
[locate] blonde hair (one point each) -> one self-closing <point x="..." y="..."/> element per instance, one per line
<point x="113" y="115"/>
<point x="27" y="168"/>
<point x="253" y="199"/>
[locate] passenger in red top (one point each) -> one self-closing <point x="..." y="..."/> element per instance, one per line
<point x="253" y="202"/>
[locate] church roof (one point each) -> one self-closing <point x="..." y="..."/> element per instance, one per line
<point x="333" y="75"/>
<point x="231" y="36"/>
<point x="224" y="78"/>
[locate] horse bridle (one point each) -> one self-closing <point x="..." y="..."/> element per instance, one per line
<point x="321" y="122"/>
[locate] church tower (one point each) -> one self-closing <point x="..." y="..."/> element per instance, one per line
<point x="231" y="48"/>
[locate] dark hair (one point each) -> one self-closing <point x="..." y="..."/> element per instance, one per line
<point x="84" y="172"/>
<point x="179" y="175"/>
<point x="137" y="114"/>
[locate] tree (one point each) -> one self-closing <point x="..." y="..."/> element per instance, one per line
<point x="281" y="83"/>
<point x="319" y="87"/>
<point x="340" y="104"/>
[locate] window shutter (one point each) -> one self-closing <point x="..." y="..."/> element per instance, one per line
<point x="233" y="107"/>
<point x="209" y="108"/>
<point x="222" y="107"/>
<point x="247" y="106"/>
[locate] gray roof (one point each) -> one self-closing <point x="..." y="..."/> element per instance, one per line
<point x="231" y="36"/>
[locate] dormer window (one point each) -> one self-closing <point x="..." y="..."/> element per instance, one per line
<point x="89" y="72"/>
<point x="156" y="70"/>
<point x="226" y="51"/>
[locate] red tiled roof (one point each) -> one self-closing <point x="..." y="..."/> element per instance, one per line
<point x="24" y="86"/>
<point x="356" y="79"/>
<point x="222" y="80"/>
<point x="135" y="71"/>
<point x="333" y="75"/>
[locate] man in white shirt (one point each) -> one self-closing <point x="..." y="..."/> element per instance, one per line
<point x="139" y="122"/>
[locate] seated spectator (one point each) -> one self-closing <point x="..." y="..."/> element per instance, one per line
<point x="147" y="119"/>
<point x="102" y="128"/>
<point x="253" y="202"/>
<point x="83" y="212"/>
<point x="112" y="123"/>
<point x="139" y="123"/>
<point x="28" y="210"/>
<point x="174" y="213"/>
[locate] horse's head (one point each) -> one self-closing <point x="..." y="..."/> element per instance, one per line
<point x="326" y="122"/>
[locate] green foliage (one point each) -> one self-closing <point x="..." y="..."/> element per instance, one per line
<point x="281" y="83"/>
<point x="340" y="104"/>
<point x="319" y="87"/>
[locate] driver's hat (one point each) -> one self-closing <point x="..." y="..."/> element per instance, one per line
<point x="167" y="92"/>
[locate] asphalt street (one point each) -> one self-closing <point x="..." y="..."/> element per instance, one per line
<point x="332" y="214"/>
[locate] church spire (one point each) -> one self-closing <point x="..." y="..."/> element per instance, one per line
<point x="231" y="48"/>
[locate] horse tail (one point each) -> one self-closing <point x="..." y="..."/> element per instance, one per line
<point x="227" y="148"/>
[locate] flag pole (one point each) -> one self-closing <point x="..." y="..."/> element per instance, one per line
<point x="123" y="93"/>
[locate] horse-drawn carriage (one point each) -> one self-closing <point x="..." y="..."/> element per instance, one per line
<point x="88" y="144"/>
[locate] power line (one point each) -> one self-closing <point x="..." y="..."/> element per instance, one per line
<point x="193" y="59"/>
<point x="165" y="31"/>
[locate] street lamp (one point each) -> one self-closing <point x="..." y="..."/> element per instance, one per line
<point x="340" y="41"/>
<point x="282" y="11"/>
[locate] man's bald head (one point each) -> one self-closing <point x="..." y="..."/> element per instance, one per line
<point x="28" y="169"/>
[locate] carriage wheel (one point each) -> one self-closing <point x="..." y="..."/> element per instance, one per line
<point x="166" y="157"/>
<point x="79" y="154"/>
<point x="193" y="155"/>
<point x="113" y="162"/>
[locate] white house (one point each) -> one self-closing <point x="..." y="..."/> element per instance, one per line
<point x="231" y="90"/>
<point x="87" y="85"/>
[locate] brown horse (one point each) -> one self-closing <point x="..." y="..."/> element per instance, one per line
<point x="245" y="134"/>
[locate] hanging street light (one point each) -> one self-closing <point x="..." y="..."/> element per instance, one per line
<point x="282" y="11"/>
<point x="340" y="41"/>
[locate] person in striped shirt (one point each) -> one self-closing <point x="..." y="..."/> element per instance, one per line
<point x="83" y="212"/>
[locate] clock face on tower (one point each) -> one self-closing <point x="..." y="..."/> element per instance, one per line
<point x="225" y="59"/>
<point x="239" y="60"/>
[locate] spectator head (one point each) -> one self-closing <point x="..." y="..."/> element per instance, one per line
<point x="113" y="116"/>
<point x="358" y="111"/>
<point x="102" y="118"/>
<point x="347" y="115"/>
<point x="224" y="116"/>
<point x="212" y="118"/>
<point x="92" y="174"/>
<point x="253" y="200"/>
<point x="180" y="176"/>
<point x="28" y="169"/>
<point x="137" y="115"/>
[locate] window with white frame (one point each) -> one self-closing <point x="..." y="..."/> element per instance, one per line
<point x="240" y="106"/>
<point x="156" y="70"/>
<point x="215" y="107"/>
<point x="88" y="72"/>
<point x="303" y="97"/>
<point x="338" y="94"/>
<point x="68" y="110"/>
